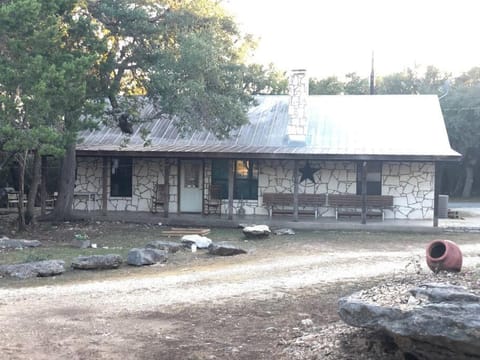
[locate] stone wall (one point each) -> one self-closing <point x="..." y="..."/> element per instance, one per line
<point x="146" y="174"/>
<point x="411" y="184"/>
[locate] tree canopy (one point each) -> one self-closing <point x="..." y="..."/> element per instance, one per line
<point x="67" y="63"/>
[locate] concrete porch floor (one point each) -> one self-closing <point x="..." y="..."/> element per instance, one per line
<point x="304" y="223"/>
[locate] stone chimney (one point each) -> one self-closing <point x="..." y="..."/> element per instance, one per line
<point x="297" y="107"/>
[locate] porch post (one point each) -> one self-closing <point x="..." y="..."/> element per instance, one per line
<point x="167" y="187"/>
<point x="43" y="185"/>
<point x="230" y="189"/>
<point x="295" y="190"/>
<point x="105" y="168"/>
<point x="364" y="192"/>
<point x="436" y="192"/>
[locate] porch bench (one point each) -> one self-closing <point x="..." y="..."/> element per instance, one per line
<point x="351" y="205"/>
<point x="282" y="203"/>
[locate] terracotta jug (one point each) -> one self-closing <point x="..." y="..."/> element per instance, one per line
<point x="444" y="255"/>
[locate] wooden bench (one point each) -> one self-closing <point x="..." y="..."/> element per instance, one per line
<point x="351" y="205"/>
<point x="282" y="203"/>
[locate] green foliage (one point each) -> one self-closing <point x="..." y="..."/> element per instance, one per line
<point x="41" y="79"/>
<point x="461" y="110"/>
<point x="411" y="82"/>
<point x="356" y="85"/>
<point x="328" y="86"/>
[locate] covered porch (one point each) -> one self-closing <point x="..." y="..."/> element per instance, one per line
<point x="471" y="222"/>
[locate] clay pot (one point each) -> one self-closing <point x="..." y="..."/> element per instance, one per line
<point x="444" y="255"/>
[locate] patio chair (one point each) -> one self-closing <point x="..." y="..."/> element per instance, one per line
<point x="213" y="202"/>
<point x="12" y="199"/>
<point x="51" y="200"/>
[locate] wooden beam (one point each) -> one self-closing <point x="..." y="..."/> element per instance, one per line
<point x="105" y="168"/>
<point x="295" y="190"/>
<point x="167" y="187"/>
<point x="364" y="192"/>
<point x="231" y="170"/>
<point x="436" y="191"/>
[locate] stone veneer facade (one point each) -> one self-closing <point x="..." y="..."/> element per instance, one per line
<point x="411" y="184"/>
<point x="146" y="174"/>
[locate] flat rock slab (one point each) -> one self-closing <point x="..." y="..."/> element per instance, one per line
<point x="441" y="323"/>
<point x="140" y="257"/>
<point x="81" y="244"/>
<point x="34" y="269"/>
<point x="6" y="243"/>
<point x="284" y="231"/>
<point x="170" y="246"/>
<point x="256" y="231"/>
<point x="202" y="242"/>
<point x="97" y="262"/>
<point x="224" y="249"/>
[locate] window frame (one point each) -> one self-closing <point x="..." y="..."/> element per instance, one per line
<point x="248" y="180"/>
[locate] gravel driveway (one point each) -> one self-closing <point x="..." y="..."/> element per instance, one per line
<point x="153" y="315"/>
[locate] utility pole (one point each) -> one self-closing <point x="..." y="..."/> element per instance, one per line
<point x="372" y="77"/>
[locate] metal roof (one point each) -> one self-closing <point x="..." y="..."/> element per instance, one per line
<point x="339" y="126"/>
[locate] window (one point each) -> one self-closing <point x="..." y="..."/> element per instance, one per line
<point x="374" y="178"/>
<point x="121" y="178"/>
<point x="245" y="182"/>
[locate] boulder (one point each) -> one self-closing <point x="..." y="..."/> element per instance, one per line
<point x="439" y="321"/>
<point x="171" y="247"/>
<point x="97" y="262"/>
<point x="224" y="249"/>
<point x="284" y="231"/>
<point x="139" y="257"/>
<point x="33" y="269"/>
<point x="256" y="231"/>
<point x="6" y="243"/>
<point x="201" y="242"/>
<point x="81" y="244"/>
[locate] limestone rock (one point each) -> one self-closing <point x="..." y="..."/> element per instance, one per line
<point x="202" y="242"/>
<point x="6" y="243"/>
<point x="443" y="324"/>
<point x="170" y="246"/>
<point x="33" y="269"/>
<point x="100" y="262"/>
<point x="139" y="257"/>
<point x="224" y="249"/>
<point x="81" y="244"/>
<point x="284" y="231"/>
<point x="256" y="231"/>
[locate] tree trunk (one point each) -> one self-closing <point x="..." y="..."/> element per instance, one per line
<point x="32" y="194"/>
<point x="22" y="160"/>
<point x="63" y="206"/>
<point x="467" y="187"/>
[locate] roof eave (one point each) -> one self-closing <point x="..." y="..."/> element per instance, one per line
<point x="282" y="156"/>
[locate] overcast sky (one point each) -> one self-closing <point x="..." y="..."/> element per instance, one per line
<point x="334" y="37"/>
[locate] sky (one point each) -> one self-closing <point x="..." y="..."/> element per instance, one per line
<point x="336" y="37"/>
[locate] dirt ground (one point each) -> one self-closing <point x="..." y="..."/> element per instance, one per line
<point x="252" y="306"/>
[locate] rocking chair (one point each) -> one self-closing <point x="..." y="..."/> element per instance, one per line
<point x="159" y="198"/>
<point x="213" y="203"/>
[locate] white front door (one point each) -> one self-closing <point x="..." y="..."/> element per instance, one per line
<point x="191" y="184"/>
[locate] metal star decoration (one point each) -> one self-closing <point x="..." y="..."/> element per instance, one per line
<point x="307" y="172"/>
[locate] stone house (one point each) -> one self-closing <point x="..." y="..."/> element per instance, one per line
<point x="294" y="144"/>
